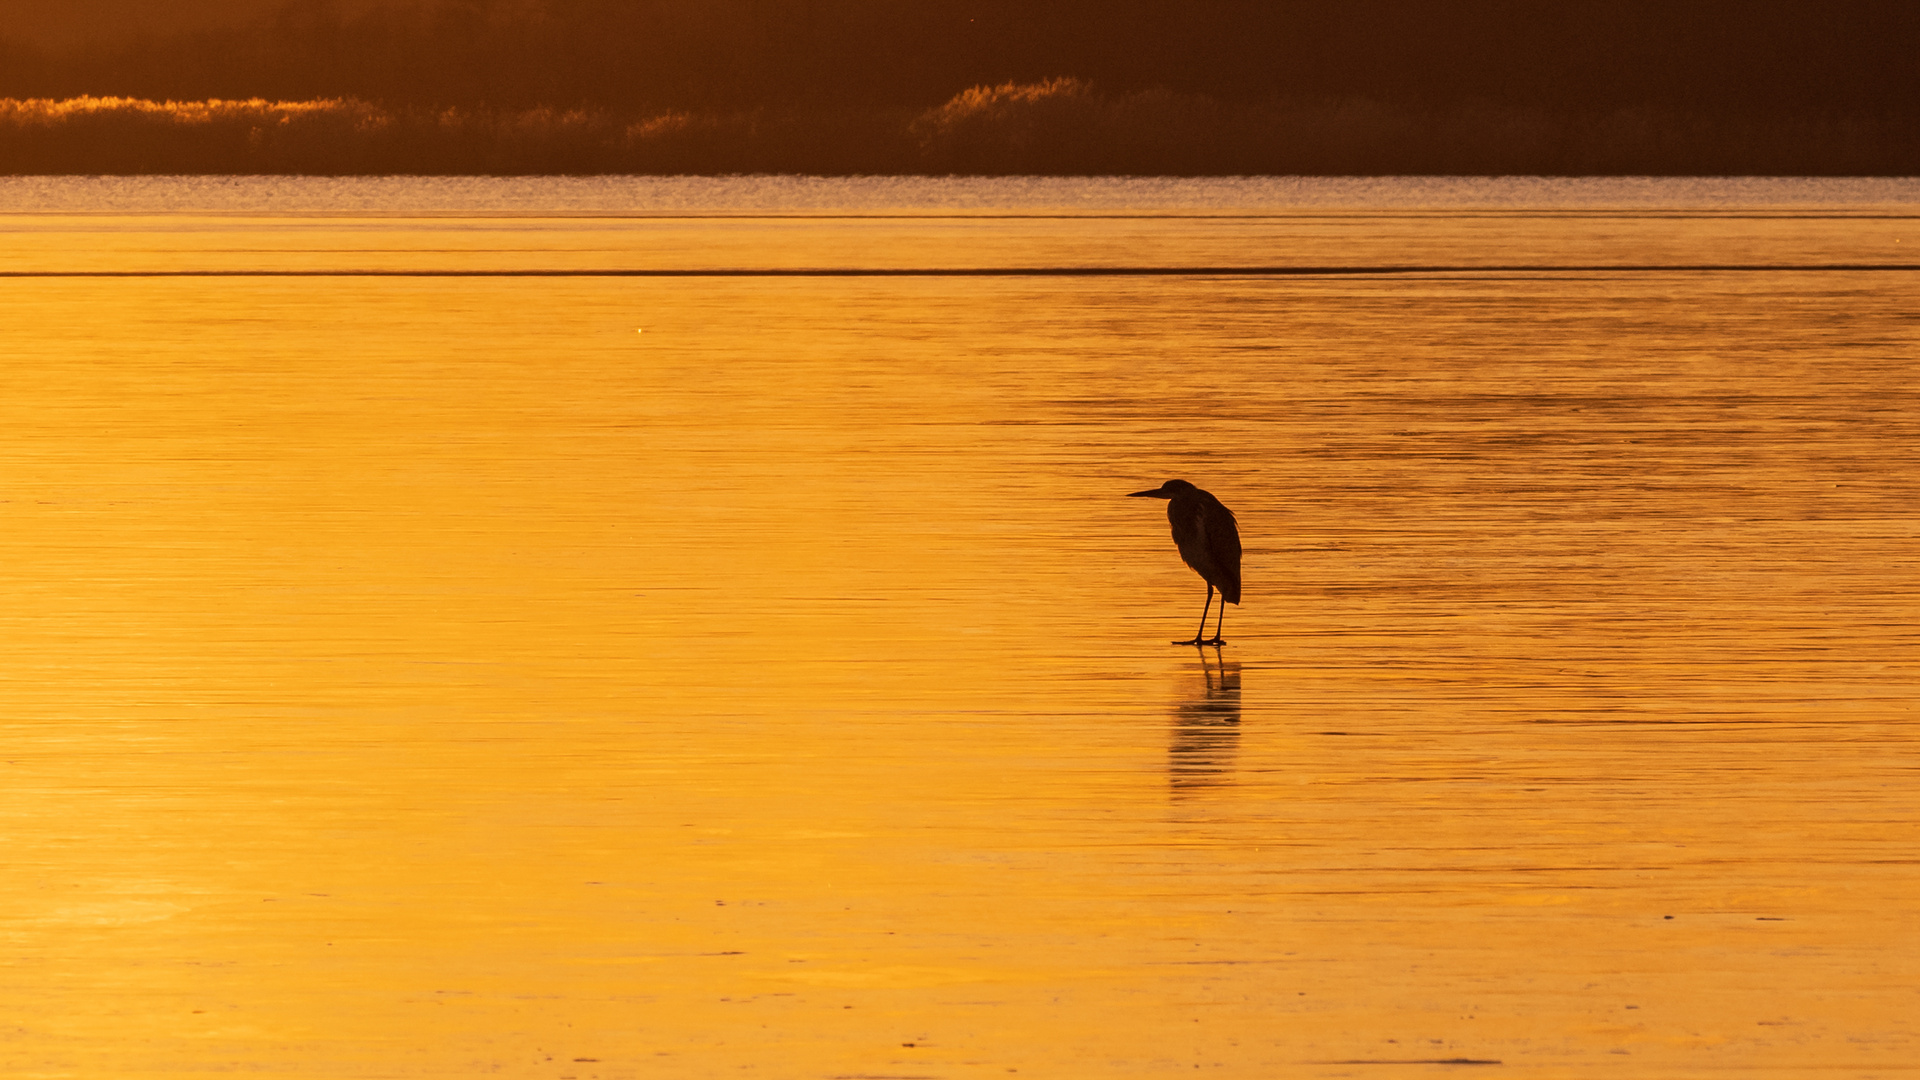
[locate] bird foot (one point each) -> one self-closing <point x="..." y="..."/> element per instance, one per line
<point x="1215" y="642"/>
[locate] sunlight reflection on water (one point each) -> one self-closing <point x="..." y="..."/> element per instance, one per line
<point x="428" y="676"/>
<point x="865" y="195"/>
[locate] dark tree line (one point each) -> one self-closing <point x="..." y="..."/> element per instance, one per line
<point x="1720" y="58"/>
<point x="1071" y="86"/>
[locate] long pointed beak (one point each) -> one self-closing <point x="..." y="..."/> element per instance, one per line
<point x="1156" y="493"/>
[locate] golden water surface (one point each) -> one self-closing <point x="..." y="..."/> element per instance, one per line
<point x="434" y="677"/>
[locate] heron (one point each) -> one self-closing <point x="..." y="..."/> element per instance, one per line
<point x="1209" y="541"/>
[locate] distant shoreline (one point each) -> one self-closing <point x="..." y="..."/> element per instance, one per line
<point x="1059" y="127"/>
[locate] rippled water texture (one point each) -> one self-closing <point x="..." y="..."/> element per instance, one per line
<point x="432" y="676"/>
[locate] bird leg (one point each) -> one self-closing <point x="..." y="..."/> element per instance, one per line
<point x="1217" y="621"/>
<point x="1203" y="618"/>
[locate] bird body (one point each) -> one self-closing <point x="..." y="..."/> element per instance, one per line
<point x="1209" y="541"/>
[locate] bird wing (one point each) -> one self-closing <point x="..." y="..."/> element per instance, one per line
<point x="1209" y="541"/>
<point x="1221" y="535"/>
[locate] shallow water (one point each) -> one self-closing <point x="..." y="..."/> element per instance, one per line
<point x="432" y="676"/>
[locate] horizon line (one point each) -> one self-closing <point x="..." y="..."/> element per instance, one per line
<point x="1010" y="271"/>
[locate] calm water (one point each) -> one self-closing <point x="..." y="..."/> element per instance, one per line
<point x="426" y="675"/>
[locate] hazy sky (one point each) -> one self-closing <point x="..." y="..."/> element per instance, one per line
<point x="1747" y="58"/>
<point x="62" y="22"/>
<point x="66" y="22"/>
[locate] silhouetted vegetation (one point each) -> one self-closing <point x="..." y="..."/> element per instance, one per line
<point x="1058" y="127"/>
<point x="1073" y="86"/>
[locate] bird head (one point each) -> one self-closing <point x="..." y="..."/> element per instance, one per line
<point x="1165" y="491"/>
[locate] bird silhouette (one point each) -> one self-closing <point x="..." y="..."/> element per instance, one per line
<point x="1209" y="541"/>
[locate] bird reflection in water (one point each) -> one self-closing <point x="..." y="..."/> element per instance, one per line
<point x="1206" y="727"/>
